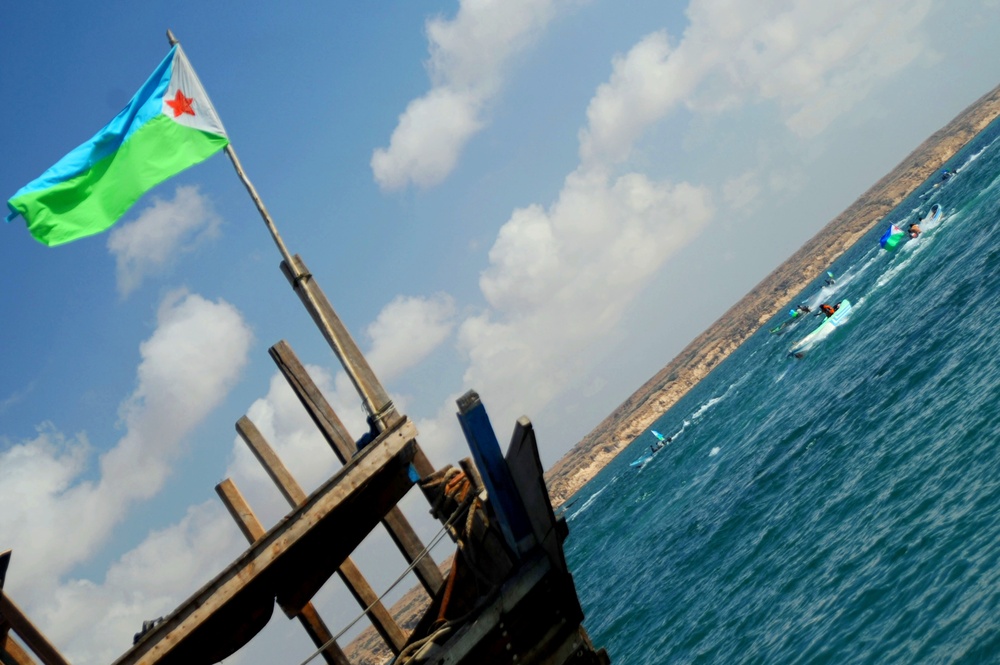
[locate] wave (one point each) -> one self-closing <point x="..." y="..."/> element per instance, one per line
<point x="590" y="500"/>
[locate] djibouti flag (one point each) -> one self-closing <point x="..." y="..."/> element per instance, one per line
<point x="169" y="125"/>
<point x="891" y="238"/>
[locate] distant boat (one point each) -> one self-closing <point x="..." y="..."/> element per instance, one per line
<point x="933" y="216"/>
<point x="661" y="441"/>
<point x="641" y="461"/>
<point x="824" y="329"/>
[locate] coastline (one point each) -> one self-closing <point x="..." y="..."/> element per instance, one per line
<point x="665" y="388"/>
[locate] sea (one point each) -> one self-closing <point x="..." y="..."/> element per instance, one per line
<point x="842" y="507"/>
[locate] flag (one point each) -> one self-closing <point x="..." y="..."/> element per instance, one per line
<point x="891" y="238"/>
<point x="168" y="126"/>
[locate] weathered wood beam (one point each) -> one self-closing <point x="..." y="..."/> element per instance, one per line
<point x="4" y="625"/>
<point x="29" y="634"/>
<point x="504" y="498"/>
<point x="337" y="436"/>
<point x="253" y="530"/>
<point x="290" y="563"/>
<point x="373" y="395"/>
<point x="356" y="583"/>
<point x="528" y="477"/>
<point x="12" y="653"/>
<point x="321" y="412"/>
<point x="4" y="562"/>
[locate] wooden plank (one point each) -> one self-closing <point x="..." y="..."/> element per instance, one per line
<point x="4" y="625"/>
<point x="337" y="436"/>
<point x="528" y="476"/>
<point x="12" y="653"/>
<point x="380" y="617"/>
<point x="273" y="466"/>
<point x="253" y="530"/>
<point x="289" y="563"/>
<point x="376" y="400"/>
<point x="503" y="497"/>
<point x="32" y="637"/>
<point x="4" y="562"/>
<point x="529" y="621"/>
<point x="315" y="403"/>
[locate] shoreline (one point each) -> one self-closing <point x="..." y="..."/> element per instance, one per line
<point x="665" y="388"/>
<point x="703" y="354"/>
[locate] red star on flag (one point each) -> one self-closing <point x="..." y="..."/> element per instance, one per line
<point x="181" y="104"/>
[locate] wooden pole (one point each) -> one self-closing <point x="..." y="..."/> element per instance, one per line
<point x="31" y="636"/>
<point x="373" y="395"/>
<point x="349" y="572"/>
<point x="4" y="562"/>
<point x="253" y="530"/>
<point x="320" y="316"/>
<point x="12" y="653"/>
<point x="340" y="441"/>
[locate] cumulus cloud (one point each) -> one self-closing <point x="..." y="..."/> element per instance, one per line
<point x="561" y="278"/>
<point x="94" y="622"/>
<point x="645" y="84"/>
<point x="148" y="245"/>
<point x="407" y="330"/>
<point x="188" y="366"/>
<point x="468" y="57"/>
<point x="742" y="191"/>
<point x="817" y="61"/>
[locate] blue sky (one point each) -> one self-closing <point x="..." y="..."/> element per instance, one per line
<point x="542" y="200"/>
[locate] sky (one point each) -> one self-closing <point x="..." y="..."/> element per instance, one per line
<point x="540" y="200"/>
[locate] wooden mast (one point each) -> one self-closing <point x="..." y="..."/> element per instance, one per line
<point x="376" y="403"/>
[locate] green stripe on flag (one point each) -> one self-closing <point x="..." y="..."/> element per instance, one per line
<point x="96" y="199"/>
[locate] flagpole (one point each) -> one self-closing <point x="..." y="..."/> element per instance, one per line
<point x="373" y="397"/>
<point x="285" y="254"/>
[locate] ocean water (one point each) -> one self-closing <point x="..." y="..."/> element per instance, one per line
<point x="839" y="508"/>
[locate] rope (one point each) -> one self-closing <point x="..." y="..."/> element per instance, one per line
<point x="434" y="541"/>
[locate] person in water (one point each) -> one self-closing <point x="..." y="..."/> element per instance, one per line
<point x="801" y="309"/>
<point x="914" y="230"/>
<point x="946" y="174"/>
<point x="828" y="309"/>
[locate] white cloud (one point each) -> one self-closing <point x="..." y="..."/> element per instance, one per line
<point x="188" y="366"/>
<point x="94" y="623"/>
<point x="148" y="245"/>
<point x="816" y="60"/>
<point x="406" y="331"/>
<point x="645" y="84"/>
<point x="468" y="56"/>
<point x="560" y="280"/>
<point x="742" y="191"/>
